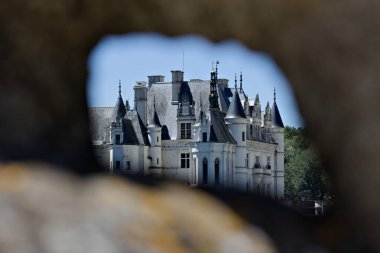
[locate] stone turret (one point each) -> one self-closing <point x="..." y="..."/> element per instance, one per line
<point x="154" y="132"/>
<point x="116" y="133"/>
<point x="278" y="136"/>
<point x="237" y="123"/>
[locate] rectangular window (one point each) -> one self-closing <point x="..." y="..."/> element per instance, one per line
<point x="185" y="130"/>
<point x="117" y="165"/>
<point x="158" y="139"/>
<point x="158" y="161"/>
<point x="128" y="165"/>
<point x="268" y="166"/>
<point x="204" y="137"/>
<point x="185" y="160"/>
<point x="117" y="139"/>
<point x="257" y="162"/>
<point x="247" y="161"/>
<point x="243" y="136"/>
<point x="188" y="130"/>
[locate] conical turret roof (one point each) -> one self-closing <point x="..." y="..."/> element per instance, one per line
<point x="276" y="116"/>
<point x="235" y="109"/>
<point x="154" y="121"/>
<point x="119" y="111"/>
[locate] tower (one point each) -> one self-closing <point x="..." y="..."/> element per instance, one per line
<point x="154" y="132"/>
<point x="237" y="123"/>
<point x="278" y="136"/>
<point x="117" y="134"/>
<point x="141" y="104"/>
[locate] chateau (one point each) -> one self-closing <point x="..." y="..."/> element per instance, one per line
<point x="200" y="132"/>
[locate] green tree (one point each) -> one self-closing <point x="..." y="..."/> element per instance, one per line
<point x="303" y="169"/>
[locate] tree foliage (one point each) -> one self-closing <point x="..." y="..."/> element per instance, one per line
<point x="304" y="173"/>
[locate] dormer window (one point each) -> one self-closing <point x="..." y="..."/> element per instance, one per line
<point x="185" y="130"/>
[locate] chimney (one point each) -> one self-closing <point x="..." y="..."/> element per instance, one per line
<point x="177" y="79"/>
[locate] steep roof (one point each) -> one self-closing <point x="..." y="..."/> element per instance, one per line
<point x="236" y="109"/>
<point x="100" y="120"/>
<point x="119" y="110"/>
<point x="167" y="113"/>
<point x="155" y="121"/>
<point x="219" y="131"/>
<point x="276" y="117"/>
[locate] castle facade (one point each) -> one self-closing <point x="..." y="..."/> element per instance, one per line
<point x="200" y="132"/>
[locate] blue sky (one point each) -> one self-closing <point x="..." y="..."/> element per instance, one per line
<point x="133" y="57"/>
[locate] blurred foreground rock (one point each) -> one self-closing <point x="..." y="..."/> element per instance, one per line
<point x="43" y="210"/>
<point x="329" y="50"/>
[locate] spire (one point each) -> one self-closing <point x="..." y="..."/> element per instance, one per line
<point x="257" y="99"/>
<point x="235" y="82"/>
<point x="213" y="97"/>
<point x="119" y="88"/>
<point x="155" y="121"/>
<point x="274" y="95"/>
<point x="267" y="116"/>
<point x="119" y="111"/>
<point x="241" y="80"/>
<point x="235" y="110"/>
<point x="276" y="116"/>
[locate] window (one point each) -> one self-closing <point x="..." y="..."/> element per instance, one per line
<point x="158" y="161"/>
<point x="185" y="130"/>
<point x="268" y="166"/>
<point x="185" y="160"/>
<point x="205" y="171"/>
<point x="117" y="165"/>
<point x="118" y="139"/>
<point x="257" y="162"/>
<point x="158" y="139"/>
<point x="128" y="165"/>
<point x="243" y="136"/>
<point x="247" y="161"/>
<point x="204" y="137"/>
<point x="217" y="181"/>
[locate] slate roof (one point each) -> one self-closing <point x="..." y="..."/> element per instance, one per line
<point x="137" y="128"/>
<point x="236" y="109"/>
<point x="154" y="121"/>
<point x="100" y="120"/>
<point x="167" y="113"/>
<point x="276" y="117"/>
<point x="119" y="109"/>
<point x="219" y="131"/>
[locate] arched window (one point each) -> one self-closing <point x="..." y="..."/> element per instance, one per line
<point x="216" y="166"/>
<point x="205" y="171"/>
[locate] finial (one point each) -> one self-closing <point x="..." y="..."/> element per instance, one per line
<point x="241" y="80"/>
<point x="216" y="70"/>
<point x="119" y="88"/>
<point x="274" y="95"/>
<point x="235" y="82"/>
